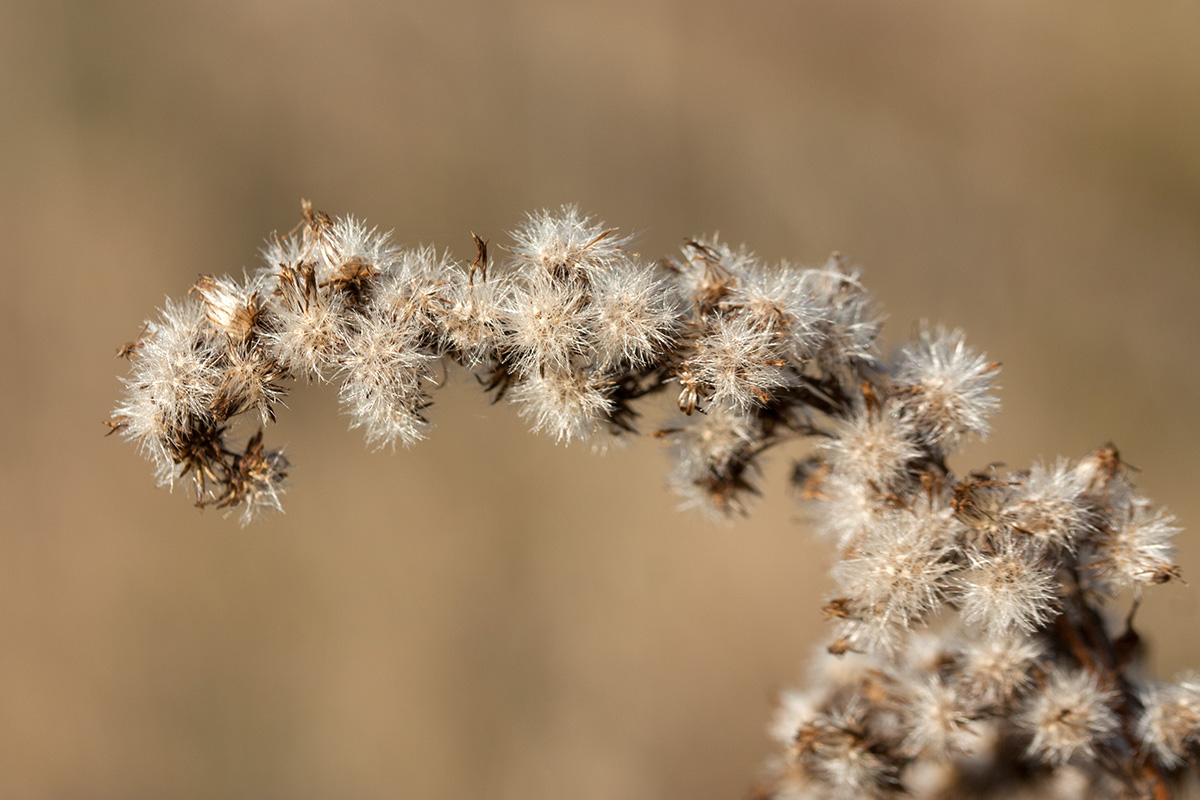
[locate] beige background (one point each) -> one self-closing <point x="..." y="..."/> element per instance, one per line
<point x="487" y="614"/>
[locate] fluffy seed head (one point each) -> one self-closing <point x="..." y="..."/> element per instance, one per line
<point x="229" y="307"/>
<point x="1049" y="507"/>
<point x="849" y="325"/>
<point x="874" y="446"/>
<point x="174" y="378"/>
<point x="1136" y="548"/>
<point x="546" y="323"/>
<point x="1169" y="723"/>
<point x="1006" y="590"/>
<point x="383" y="373"/>
<point x="738" y="363"/>
<point x="893" y="579"/>
<point x="567" y="404"/>
<point x="994" y="670"/>
<point x="632" y="317"/>
<point x="567" y="244"/>
<point x="1070" y="717"/>
<point x="947" y="386"/>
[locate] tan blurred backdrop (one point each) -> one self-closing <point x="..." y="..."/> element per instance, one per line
<point x="487" y="614"/>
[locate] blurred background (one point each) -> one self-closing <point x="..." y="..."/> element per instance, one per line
<point x="489" y="614"/>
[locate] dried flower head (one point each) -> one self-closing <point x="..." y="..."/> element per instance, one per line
<point x="971" y="625"/>
<point x="948" y="387"/>
<point x="1070" y="717"/>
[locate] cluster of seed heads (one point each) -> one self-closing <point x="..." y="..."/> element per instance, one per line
<point x="973" y="653"/>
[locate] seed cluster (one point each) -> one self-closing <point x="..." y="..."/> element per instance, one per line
<point x="972" y="653"/>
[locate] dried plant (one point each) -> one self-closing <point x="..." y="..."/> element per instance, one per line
<point x="974" y="651"/>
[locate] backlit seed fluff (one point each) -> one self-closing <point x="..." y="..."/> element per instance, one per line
<point x="894" y="578"/>
<point x="474" y="318"/>
<point x="973" y="649"/>
<point x="413" y="289"/>
<point x="1049" y="506"/>
<point x="632" y="316"/>
<point x="567" y="244"/>
<point x="738" y="363"/>
<point x="779" y="299"/>
<point x="568" y="404"/>
<point x="946" y="386"/>
<point x="312" y="327"/>
<point x="547" y="323"/>
<point x="384" y="374"/>
<point x="175" y="375"/>
<point x="849" y="326"/>
<point x="230" y="307"/>
<point x="710" y="271"/>
<point x="1069" y="717"/>
<point x="350" y="254"/>
<point x="1135" y="548"/>
<point x="1006" y="591"/>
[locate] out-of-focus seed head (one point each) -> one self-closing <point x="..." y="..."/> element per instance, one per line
<point x="1169" y="723"/>
<point x="838" y="750"/>
<point x="937" y="720"/>
<point x="873" y="446"/>
<point x="710" y="270"/>
<point x="1070" y="717"/>
<point x="256" y="480"/>
<point x="1049" y="507"/>
<point x="994" y="670"/>
<point x="849" y="325"/>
